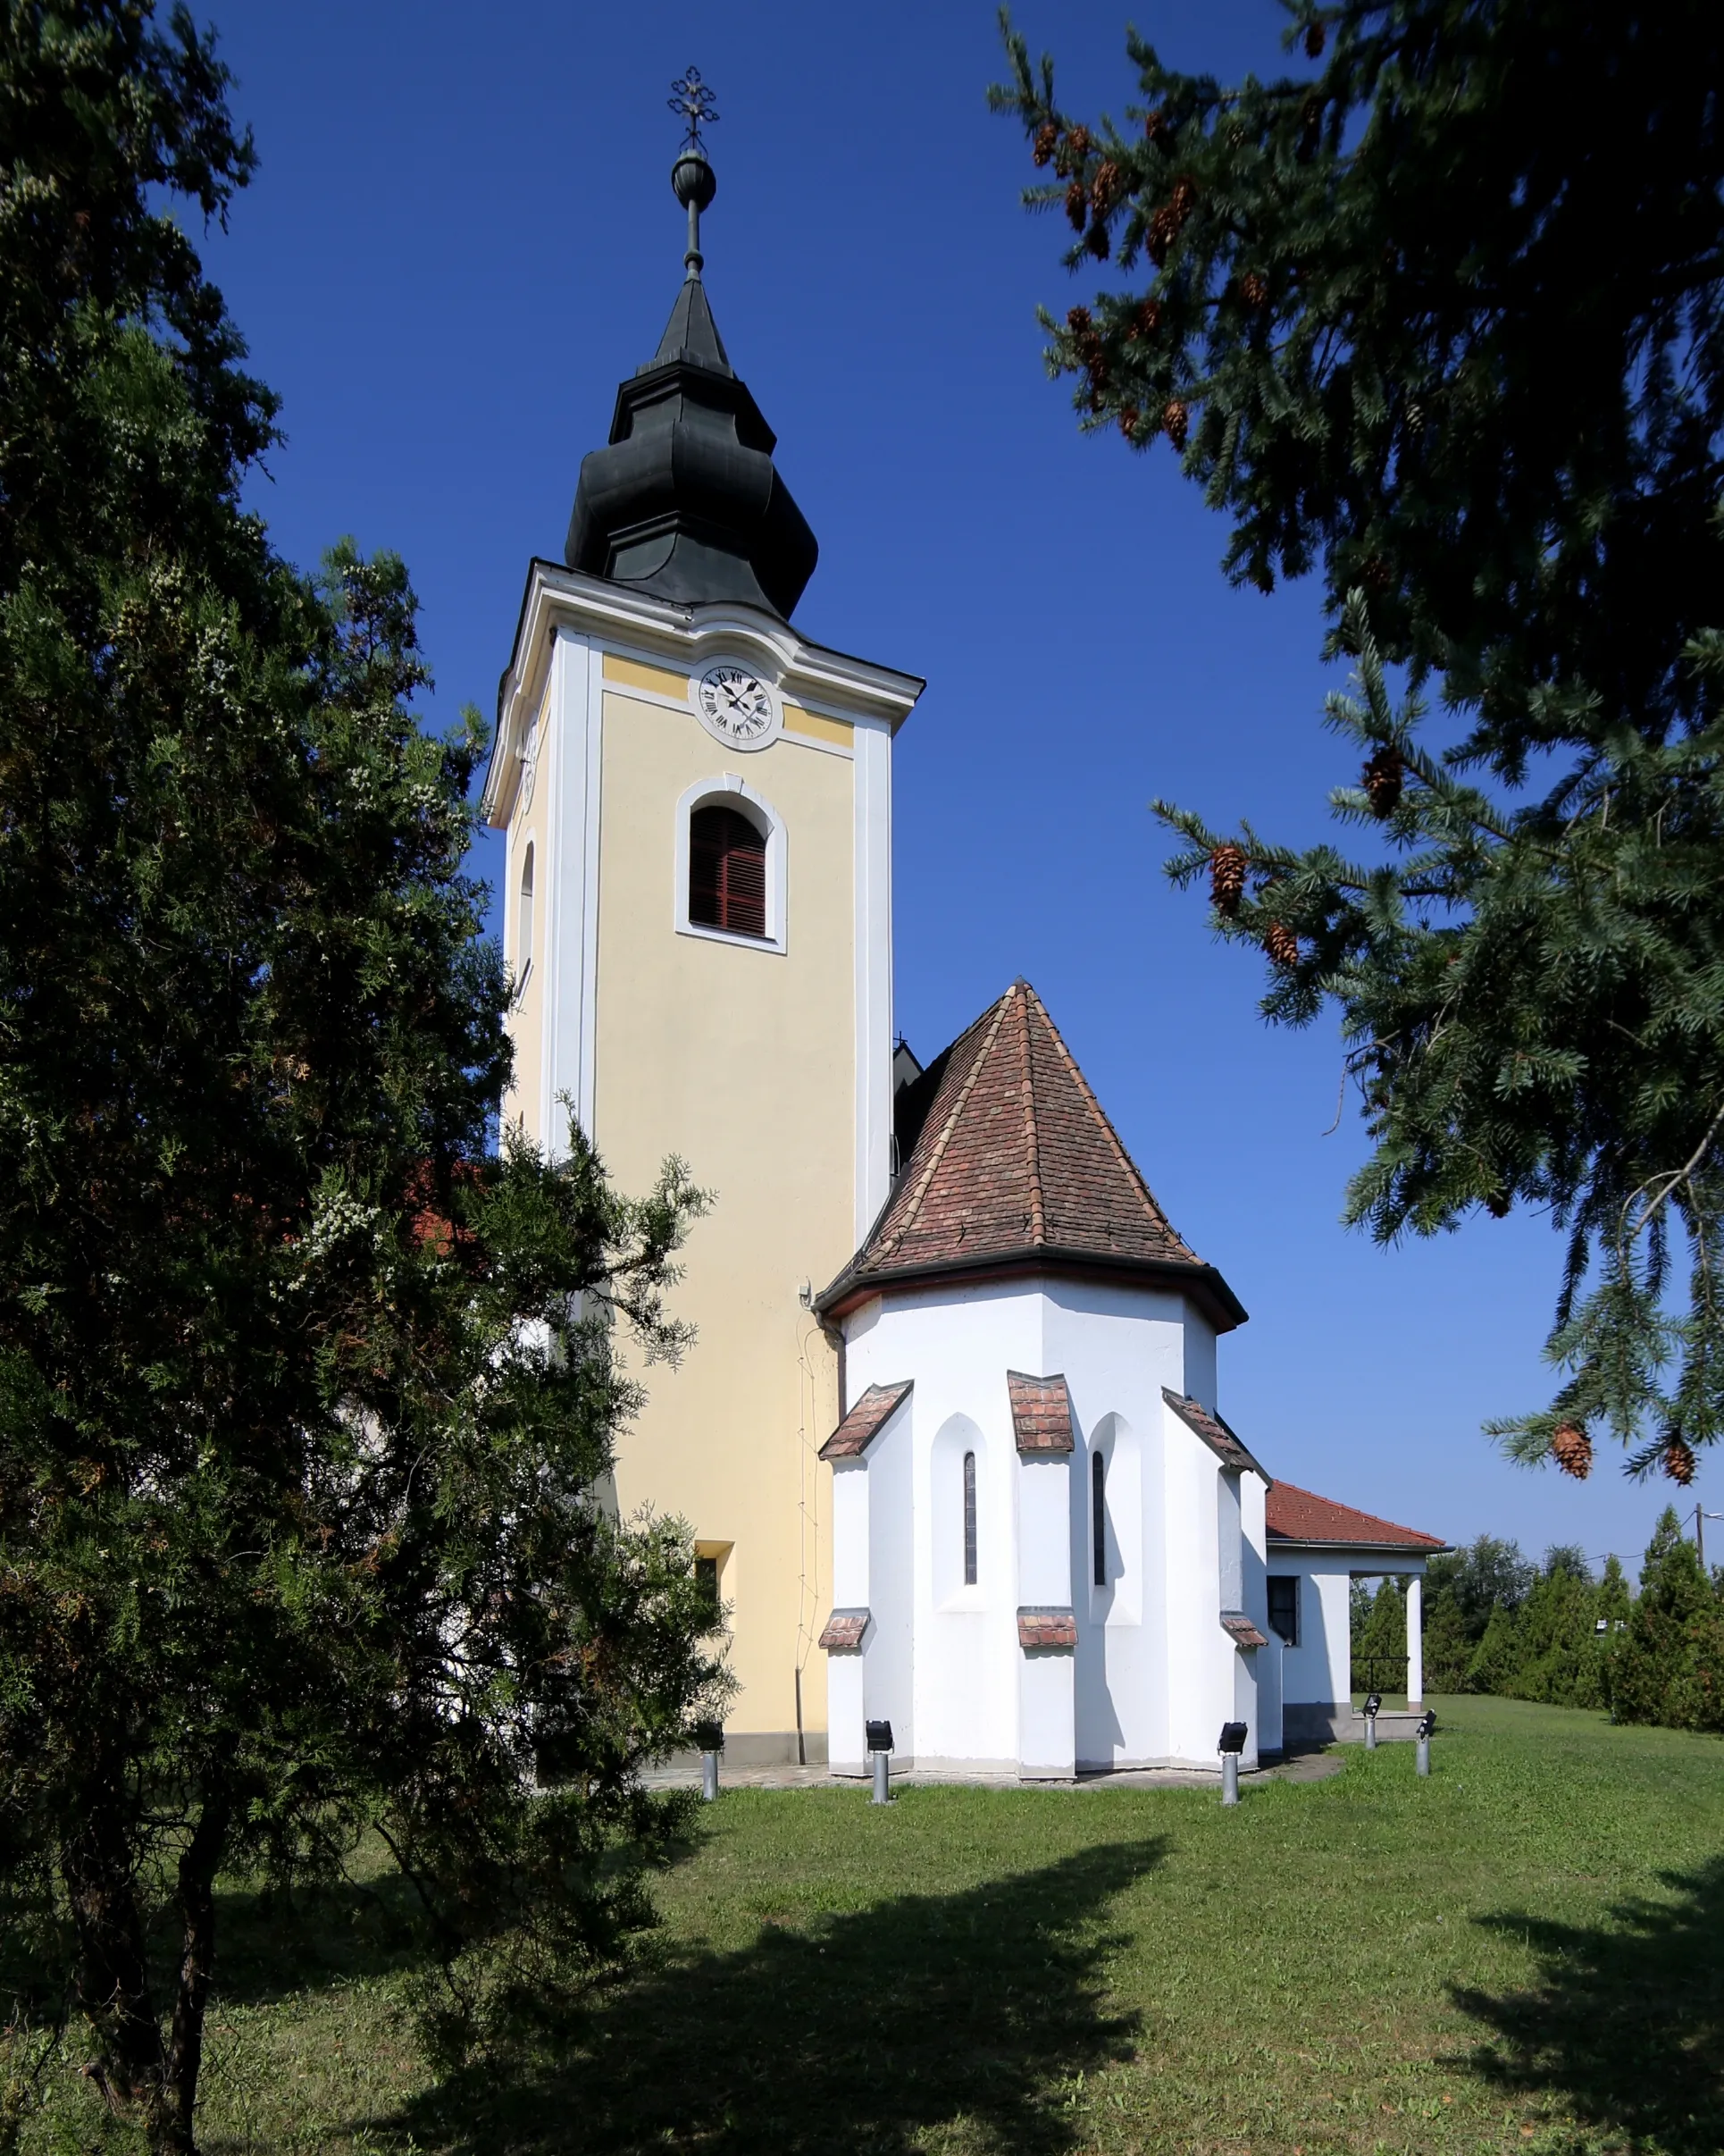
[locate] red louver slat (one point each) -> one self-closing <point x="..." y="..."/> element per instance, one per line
<point x="727" y="872"/>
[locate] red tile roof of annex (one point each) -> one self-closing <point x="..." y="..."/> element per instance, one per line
<point x="1293" y="1514"/>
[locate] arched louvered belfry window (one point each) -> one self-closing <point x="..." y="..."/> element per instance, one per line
<point x="727" y="872"/>
<point x="969" y="1519"/>
<point x="523" y="941"/>
<point x="1099" y="1515"/>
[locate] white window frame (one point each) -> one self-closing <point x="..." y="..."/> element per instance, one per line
<point x="726" y="791"/>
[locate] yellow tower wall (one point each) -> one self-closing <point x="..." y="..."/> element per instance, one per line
<point x="766" y="1070"/>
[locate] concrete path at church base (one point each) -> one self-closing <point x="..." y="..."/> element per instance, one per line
<point x="1303" y="1766"/>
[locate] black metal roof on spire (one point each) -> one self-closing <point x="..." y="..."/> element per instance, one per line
<point x="691" y="335"/>
<point x="685" y="502"/>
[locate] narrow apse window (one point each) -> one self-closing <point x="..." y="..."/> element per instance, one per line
<point x="969" y="1519"/>
<point x="1099" y="1514"/>
<point x="524" y="938"/>
<point x="727" y="872"/>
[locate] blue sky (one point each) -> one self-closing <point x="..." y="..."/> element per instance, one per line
<point x="461" y="237"/>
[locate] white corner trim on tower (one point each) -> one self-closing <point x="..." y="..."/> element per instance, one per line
<point x="576" y="716"/>
<point x="873" y="968"/>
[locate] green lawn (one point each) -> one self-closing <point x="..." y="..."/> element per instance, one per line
<point x="1523" y="1952"/>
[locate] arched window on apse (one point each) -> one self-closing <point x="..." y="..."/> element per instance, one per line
<point x="1099" y="1514"/>
<point x="524" y="937"/>
<point x="969" y="1519"/>
<point x="727" y="872"/>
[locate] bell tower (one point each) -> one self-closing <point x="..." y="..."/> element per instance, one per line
<point x="697" y="809"/>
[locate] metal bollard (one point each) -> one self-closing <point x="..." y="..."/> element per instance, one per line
<point x="1230" y="1743"/>
<point x="709" y="1741"/>
<point x="1371" y="1706"/>
<point x="1422" y="1749"/>
<point x="880" y="1745"/>
<point x="1422" y="1735"/>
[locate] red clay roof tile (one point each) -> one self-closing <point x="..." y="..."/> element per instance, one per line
<point x="1208" y="1426"/>
<point x="1046" y="1628"/>
<point x="1298" y="1516"/>
<point x="842" y="1630"/>
<point x="1042" y="1412"/>
<point x="858" y="1429"/>
<point x="1016" y="1159"/>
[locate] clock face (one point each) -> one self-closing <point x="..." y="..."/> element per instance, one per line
<point x="735" y="704"/>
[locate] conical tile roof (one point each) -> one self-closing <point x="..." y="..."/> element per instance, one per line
<point x="1016" y="1167"/>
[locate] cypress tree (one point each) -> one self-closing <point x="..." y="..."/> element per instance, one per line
<point x="306" y="1393"/>
<point x="1438" y="315"/>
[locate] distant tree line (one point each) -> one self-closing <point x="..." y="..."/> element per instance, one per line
<point x="1495" y="1621"/>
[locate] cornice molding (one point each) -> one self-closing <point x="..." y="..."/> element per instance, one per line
<point x="559" y="598"/>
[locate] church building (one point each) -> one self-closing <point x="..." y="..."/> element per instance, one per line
<point x="949" y="1439"/>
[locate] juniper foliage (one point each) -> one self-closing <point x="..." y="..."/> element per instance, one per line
<point x="1438" y="315"/>
<point x="306" y="1394"/>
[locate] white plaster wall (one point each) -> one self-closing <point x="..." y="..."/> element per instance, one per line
<point x="962" y="1708"/>
<point x="1318" y="1670"/>
<point x="1252" y="1496"/>
<point x="1045" y="1531"/>
<point x="1200" y="1654"/>
<point x="888" y="1681"/>
<point x="849" y="1534"/>
<point x="1119" y="1698"/>
<point x="1116" y="1348"/>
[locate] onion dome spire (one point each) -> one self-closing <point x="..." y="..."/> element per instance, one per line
<point x="685" y="502"/>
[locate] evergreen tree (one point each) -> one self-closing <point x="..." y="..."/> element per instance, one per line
<point x="1380" y="1645"/>
<point x="1448" y="1644"/>
<point x="1439" y="314"/>
<point x="306" y="1394"/>
<point x="1486" y="1573"/>
<point x="1558" y="1645"/>
<point x="1668" y="1667"/>
<point x="1496" y="1659"/>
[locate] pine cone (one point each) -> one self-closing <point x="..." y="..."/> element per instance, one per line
<point x="1384" y="777"/>
<point x="1176" y="419"/>
<point x="1146" y="321"/>
<point x="1227" y="866"/>
<point x="1107" y="187"/>
<point x="1097" y="241"/>
<point x="1499" y="1205"/>
<point x="1046" y="139"/>
<point x="1572" y="1450"/>
<point x="1129" y="419"/>
<point x="1078" y="144"/>
<point x="1078" y="323"/>
<point x="1157" y="126"/>
<point x="1077" y="204"/>
<point x="1313" y="36"/>
<point x="1679" y="1462"/>
<point x="1281" y="944"/>
<point x="1254" y="291"/>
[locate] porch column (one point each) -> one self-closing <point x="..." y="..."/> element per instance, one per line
<point x="1416" y="1641"/>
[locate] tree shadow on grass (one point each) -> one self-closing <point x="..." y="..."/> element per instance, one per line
<point x="857" y="2031"/>
<point x="269" y="1945"/>
<point x="1626" y="2023"/>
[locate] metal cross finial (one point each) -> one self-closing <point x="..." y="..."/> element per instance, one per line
<point x="695" y="101"/>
